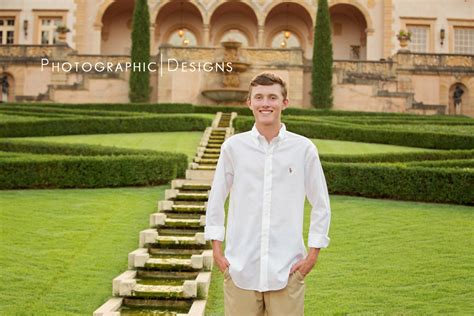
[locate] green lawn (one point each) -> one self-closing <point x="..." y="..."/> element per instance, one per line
<point x="390" y="258"/>
<point x="60" y="250"/>
<point x="183" y="142"/>
<point x="355" y="148"/>
<point x="186" y="142"/>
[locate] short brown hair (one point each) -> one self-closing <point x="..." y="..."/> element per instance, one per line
<point x="267" y="79"/>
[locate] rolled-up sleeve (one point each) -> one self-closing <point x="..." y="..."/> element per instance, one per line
<point x="318" y="196"/>
<point x="221" y="185"/>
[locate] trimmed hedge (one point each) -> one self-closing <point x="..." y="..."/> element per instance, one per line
<point x="26" y="164"/>
<point x="70" y="126"/>
<point x="49" y="148"/>
<point x="88" y="172"/>
<point x="354" y="133"/>
<point x="51" y="111"/>
<point x="401" y="157"/>
<point x="132" y="107"/>
<point x="401" y="183"/>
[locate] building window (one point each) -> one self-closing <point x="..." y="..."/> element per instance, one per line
<point x="48" y="30"/>
<point x="7" y="31"/>
<point x="464" y="40"/>
<point x="419" y="38"/>
<point x="182" y="37"/>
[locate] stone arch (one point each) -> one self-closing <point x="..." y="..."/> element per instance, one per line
<point x="467" y="106"/>
<point x="349" y="29"/>
<point x="156" y="10"/>
<point x="226" y="15"/>
<point x="363" y="10"/>
<point x="174" y="14"/>
<point x="190" y="27"/>
<point x="239" y="27"/>
<point x="310" y="9"/>
<point x="11" y="87"/>
<point x="100" y="13"/>
<point x="116" y="28"/>
<point x="295" y="31"/>
<point x="294" y="17"/>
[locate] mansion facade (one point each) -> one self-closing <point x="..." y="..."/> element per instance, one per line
<point x="372" y="72"/>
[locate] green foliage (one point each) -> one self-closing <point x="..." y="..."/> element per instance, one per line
<point x="321" y="85"/>
<point x="327" y="130"/>
<point x="104" y="125"/>
<point x="441" y="185"/>
<point x="50" y="165"/>
<point x="140" y="80"/>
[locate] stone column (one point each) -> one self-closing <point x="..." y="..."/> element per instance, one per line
<point x="261" y="31"/>
<point x="206" y="35"/>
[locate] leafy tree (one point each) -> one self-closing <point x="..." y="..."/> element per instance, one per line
<point x="139" y="85"/>
<point x="321" y="92"/>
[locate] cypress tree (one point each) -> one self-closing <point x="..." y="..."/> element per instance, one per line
<point x="139" y="84"/>
<point x="321" y="92"/>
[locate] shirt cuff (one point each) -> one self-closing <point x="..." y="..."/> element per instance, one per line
<point x="318" y="241"/>
<point x="214" y="233"/>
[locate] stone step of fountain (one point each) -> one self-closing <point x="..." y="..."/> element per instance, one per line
<point x="174" y="206"/>
<point x="206" y="161"/>
<point x="211" y="146"/>
<point x="180" y="223"/>
<point x="165" y="291"/>
<point x="212" y="151"/>
<point x="142" y="258"/>
<point x="171" y="252"/>
<point x="137" y="306"/>
<point x="166" y="231"/>
<point x="206" y="167"/>
<point x="210" y="156"/>
<point x="186" y="184"/>
<point x="172" y="194"/>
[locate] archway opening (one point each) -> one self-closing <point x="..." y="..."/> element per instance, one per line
<point x="117" y="28"/>
<point x="349" y="37"/>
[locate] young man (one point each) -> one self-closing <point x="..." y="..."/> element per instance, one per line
<point x="268" y="171"/>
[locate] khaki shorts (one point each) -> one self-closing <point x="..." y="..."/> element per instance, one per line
<point x="288" y="301"/>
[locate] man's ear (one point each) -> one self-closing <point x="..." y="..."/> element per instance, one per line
<point x="285" y="104"/>
<point x="248" y="103"/>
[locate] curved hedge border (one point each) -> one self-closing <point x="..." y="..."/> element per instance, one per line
<point x="50" y="165"/>
<point x="106" y="125"/>
<point x="354" y="133"/>
<point x="441" y="185"/>
<point x="401" y="157"/>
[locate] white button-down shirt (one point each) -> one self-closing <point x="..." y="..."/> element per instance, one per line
<point x="267" y="185"/>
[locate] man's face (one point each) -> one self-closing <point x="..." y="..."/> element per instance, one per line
<point x="266" y="103"/>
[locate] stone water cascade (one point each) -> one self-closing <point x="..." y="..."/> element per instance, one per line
<point x="170" y="272"/>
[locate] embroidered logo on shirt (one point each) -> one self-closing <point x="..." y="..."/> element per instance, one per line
<point x="290" y="170"/>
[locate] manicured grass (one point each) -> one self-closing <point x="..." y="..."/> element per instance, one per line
<point x="355" y="148"/>
<point x="186" y="142"/>
<point x="183" y="142"/>
<point x="390" y="258"/>
<point x="60" y="249"/>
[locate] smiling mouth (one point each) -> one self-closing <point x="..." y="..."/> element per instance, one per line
<point x="265" y="111"/>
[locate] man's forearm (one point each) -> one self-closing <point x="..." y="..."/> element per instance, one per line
<point x="313" y="254"/>
<point x="217" y="248"/>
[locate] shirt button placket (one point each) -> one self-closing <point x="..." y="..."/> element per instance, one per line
<point x="267" y="195"/>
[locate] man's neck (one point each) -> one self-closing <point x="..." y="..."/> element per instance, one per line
<point x="268" y="131"/>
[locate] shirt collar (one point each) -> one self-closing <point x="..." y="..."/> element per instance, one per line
<point x="281" y="134"/>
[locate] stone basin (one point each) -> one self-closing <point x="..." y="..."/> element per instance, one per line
<point x="226" y="94"/>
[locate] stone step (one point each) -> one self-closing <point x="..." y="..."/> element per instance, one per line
<point x="212" y="151"/>
<point x="150" y="236"/>
<point x="206" y="167"/>
<point x="195" y="223"/>
<point x="210" y="156"/>
<point x="188" y="290"/>
<point x="167" y="231"/>
<point x="200" y="174"/>
<point x="205" y="161"/>
<point x="141" y="258"/>
<point x="211" y="146"/>
<point x="174" y="194"/>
